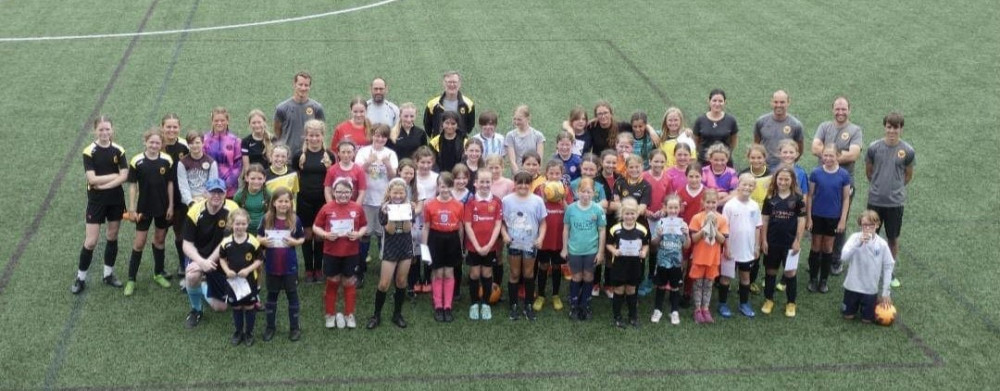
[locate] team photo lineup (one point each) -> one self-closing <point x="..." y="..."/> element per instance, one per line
<point x="433" y="202"/>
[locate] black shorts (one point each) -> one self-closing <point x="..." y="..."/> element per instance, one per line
<point x="824" y="226"/>
<point x="180" y="214"/>
<point x="626" y="271"/>
<point x="307" y="208"/>
<point x="446" y="249"/>
<point x="746" y="266"/>
<point x="98" y="214"/>
<point x="892" y="220"/>
<point x="340" y="266"/>
<point x="854" y="301"/>
<point x="160" y="223"/>
<point x="775" y="256"/>
<point x="474" y="259"/>
<point x="277" y="283"/>
<point x="550" y="257"/>
<point x="218" y="287"/>
<point x="663" y="276"/>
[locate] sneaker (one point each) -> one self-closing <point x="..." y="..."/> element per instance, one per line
<point x="823" y="288"/>
<point x="248" y="339"/>
<point x="706" y="316"/>
<point x="529" y="313"/>
<point x="112" y="281"/>
<point x="340" y="320"/>
<point x="438" y="315"/>
<point x="746" y="310"/>
<point x="129" y="288"/>
<point x="515" y="313"/>
<point x="236" y="339"/>
<point x="780" y="287"/>
<point x="895" y="283"/>
<point x="767" y="307"/>
<point x="485" y="312"/>
<point x="373" y="322"/>
<point x="268" y="335"/>
<point x="724" y="310"/>
<point x="360" y="284"/>
<point x="813" y="286"/>
<point x="754" y="288"/>
<point x="574" y="313"/>
<point x="399" y="321"/>
<point x="78" y="286"/>
<point x="790" y="310"/>
<point x="539" y="303"/>
<point x="596" y="291"/>
<point x="657" y="314"/>
<point x="675" y="318"/>
<point x="557" y="303"/>
<point x="634" y="322"/>
<point x="161" y="280"/>
<point x="193" y="318"/>
<point x="619" y="324"/>
<point x="837" y="268"/>
<point x="587" y="313"/>
<point x="294" y="335"/>
<point x="448" y="316"/>
<point x="349" y="322"/>
<point x="699" y="318"/>
<point x="331" y="321"/>
<point x="609" y="292"/>
<point x="474" y="313"/>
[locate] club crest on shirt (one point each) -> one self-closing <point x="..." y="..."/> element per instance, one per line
<point x="115" y="159"/>
<point x="444" y="218"/>
<point x="309" y="111"/>
<point x="205" y="165"/>
<point x="248" y="257"/>
<point x="461" y="110"/>
<point x="787" y="129"/>
<point x="163" y="170"/>
<point x="353" y="214"/>
<point x="844" y="136"/>
<point x="490" y="209"/>
<point x="901" y="153"/>
<point x="222" y="223"/>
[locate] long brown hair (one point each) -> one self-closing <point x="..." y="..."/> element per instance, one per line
<point x="272" y="212"/>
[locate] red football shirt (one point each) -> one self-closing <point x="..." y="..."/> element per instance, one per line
<point x="355" y="174"/>
<point x="443" y="216"/>
<point x="485" y="216"/>
<point x="347" y="130"/>
<point x="339" y="215"/>
<point x="553" y="240"/>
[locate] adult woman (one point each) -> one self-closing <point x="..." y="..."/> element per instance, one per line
<point x="312" y="165"/>
<point x="225" y="148"/>
<point x="715" y="126"/>
<point x="357" y="129"/>
<point x="406" y="137"/>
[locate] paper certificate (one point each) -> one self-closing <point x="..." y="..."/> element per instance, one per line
<point x="629" y="248"/>
<point x="425" y="254"/>
<point x="400" y="212"/>
<point x="792" y="262"/>
<point x="342" y="226"/>
<point x="727" y="268"/>
<point x="673" y="226"/>
<point x="240" y="286"/>
<point x="276" y="237"/>
<point x="578" y="147"/>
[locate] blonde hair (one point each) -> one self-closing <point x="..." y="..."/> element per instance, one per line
<point x="757" y="148"/>
<point x="315" y="125"/>
<point x="239" y="212"/>
<point x="680" y="115"/>
<point x="628" y="204"/>
<point x="267" y="134"/>
<point x="394" y="183"/>
<point x="717" y="148"/>
<point x="394" y="132"/>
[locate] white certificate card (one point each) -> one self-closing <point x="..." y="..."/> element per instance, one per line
<point x="400" y="212"/>
<point x="276" y="237"/>
<point x="792" y="261"/>
<point x="629" y="248"/>
<point x="341" y="226"/>
<point x="240" y="286"/>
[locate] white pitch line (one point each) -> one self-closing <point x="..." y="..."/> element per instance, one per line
<point x="195" y="30"/>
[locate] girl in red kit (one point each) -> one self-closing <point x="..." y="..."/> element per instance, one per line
<point x="341" y="224"/>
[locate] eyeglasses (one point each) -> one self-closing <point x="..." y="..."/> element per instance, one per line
<point x="342" y="192"/>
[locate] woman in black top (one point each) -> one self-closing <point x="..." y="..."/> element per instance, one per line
<point x="406" y="137"/>
<point x="312" y="165"/>
<point x="715" y="126"/>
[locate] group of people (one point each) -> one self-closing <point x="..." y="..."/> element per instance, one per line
<point x="620" y="207"/>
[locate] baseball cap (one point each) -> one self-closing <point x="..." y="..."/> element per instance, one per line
<point x="215" y="184"/>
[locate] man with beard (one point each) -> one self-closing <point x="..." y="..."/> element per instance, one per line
<point x="381" y="110"/>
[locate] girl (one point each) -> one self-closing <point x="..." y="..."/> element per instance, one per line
<point x="660" y="187"/>
<point x="673" y="240"/>
<point x="677" y="172"/>
<point x="492" y="142"/>
<point x="280" y="174"/>
<point x="356" y="129"/>
<point x="501" y="185"/>
<point x="396" y="251"/>
<point x="784" y="217"/>
<point x="589" y="169"/>
<point x="256" y="146"/>
<point x="442" y="236"/>
<point x="717" y="175"/>
<point x="194" y="170"/>
<point x="341" y="224"/>
<point x="691" y="195"/>
<point x="531" y="163"/>
<point x="224" y="147"/>
<point x="240" y="256"/>
<point x="674" y="133"/>
<point x="151" y="199"/>
<point x="826" y="214"/>
<point x="252" y="196"/>
<point x="448" y="146"/>
<point x="564" y="152"/>
<point x="462" y="176"/>
<point x="406" y="136"/>
<point x="583" y="247"/>
<point x="523" y="138"/>
<point x="743" y="216"/>
<point x="482" y="216"/>
<point x="870" y="260"/>
<point x="789" y="151"/>
<point x="524" y="227"/>
<point x="549" y="257"/>
<point x="628" y="245"/>
<point x="603" y="129"/>
<point x="708" y="234"/>
<point x="408" y="173"/>
<point x="279" y="233"/>
<point x="623" y="149"/>
<point x="715" y="127"/>
<point x="176" y="147"/>
<point x="644" y="141"/>
<point x="426" y="181"/>
<point x="762" y="173"/>
<point x="346" y="169"/>
<point x="379" y="164"/>
<point x="582" y="140"/>
<point x="607" y="180"/>
<point x="312" y="165"/>
<point x="633" y="185"/>
<point x="473" y="160"/>
<point x="106" y="169"/>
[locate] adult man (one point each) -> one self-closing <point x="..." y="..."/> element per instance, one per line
<point x="204" y="230"/>
<point x="889" y="166"/>
<point x="775" y="126"/>
<point x="292" y="114"/>
<point x="380" y="110"/>
<point x="450" y="100"/>
<point x="846" y="136"/>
